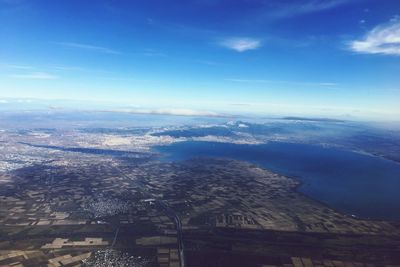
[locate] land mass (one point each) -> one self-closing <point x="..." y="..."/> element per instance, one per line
<point x="75" y="213"/>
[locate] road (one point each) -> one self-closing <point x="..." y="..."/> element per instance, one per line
<point x="115" y="237"/>
<point x="171" y="214"/>
<point x="178" y="225"/>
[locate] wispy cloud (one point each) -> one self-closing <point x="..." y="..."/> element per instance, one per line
<point x="64" y="68"/>
<point x="327" y="84"/>
<point x="241" y="44"/>
<point x="67" y="68"/>
<point x="94" y="48"/>
<point x="15" y="66"/>
<point x="42" y="72"/>
<point x="35" y="75"/>
<point x="153" y="53"/>
<point x="285" y="9"/>
<point x="383" y="39"/>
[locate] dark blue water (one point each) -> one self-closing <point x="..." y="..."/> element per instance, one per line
<point x="350" y="182"/>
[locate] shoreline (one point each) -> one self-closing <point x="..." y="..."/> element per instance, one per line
<point x="164" y="157"/>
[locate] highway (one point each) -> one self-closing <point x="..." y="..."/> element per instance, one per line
<point x="171" y="214"/>
<point x="178" y="224"/>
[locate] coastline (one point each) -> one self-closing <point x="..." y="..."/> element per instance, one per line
<point x="169" y="157"/>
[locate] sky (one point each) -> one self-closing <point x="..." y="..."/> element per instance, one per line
<point x="325" y="58"/>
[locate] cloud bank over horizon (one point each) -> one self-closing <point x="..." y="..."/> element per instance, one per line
<point x="171" y="111"/>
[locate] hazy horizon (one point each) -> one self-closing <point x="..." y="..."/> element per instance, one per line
<point x="332" y="58"/>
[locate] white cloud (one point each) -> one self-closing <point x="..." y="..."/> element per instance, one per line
<point x="35" y="75"/>
<point x="241" y="44"/>
<point x="383" y="39"/>
<point x="88" y="47"/>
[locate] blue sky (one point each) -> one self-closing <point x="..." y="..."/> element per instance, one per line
<point x="312" y="57"/>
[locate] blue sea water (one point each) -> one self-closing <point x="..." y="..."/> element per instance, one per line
<point x="353" y="183"/>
